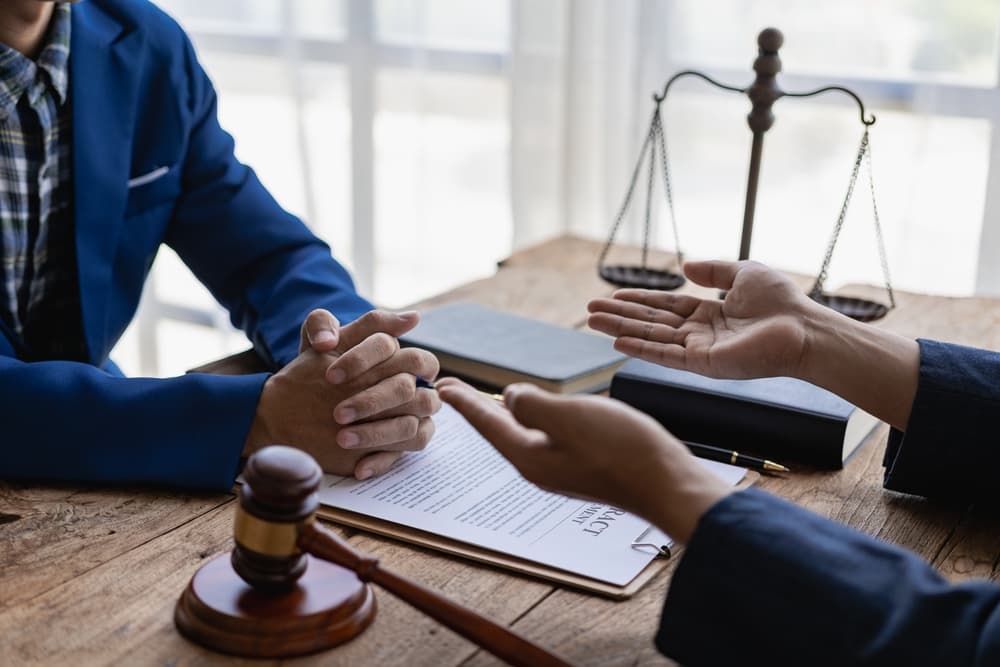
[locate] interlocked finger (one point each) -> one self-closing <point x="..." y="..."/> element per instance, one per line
<point x="375" y="464"/>
<point x="366" y="355"/>
<point x="425" y="403"/>
<point x="374" y="321"/>
<point x="410" y="360"/>
<point x="386" y="395"/>
<point x="390" y="434"/>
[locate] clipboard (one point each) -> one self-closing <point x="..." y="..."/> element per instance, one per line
<point x="513" y="563"/>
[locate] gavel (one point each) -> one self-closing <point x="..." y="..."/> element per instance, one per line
<point x="292" y="587"/>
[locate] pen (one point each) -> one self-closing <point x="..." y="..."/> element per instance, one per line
<point x="733" y="458"/>
<point x="425" y="384"/>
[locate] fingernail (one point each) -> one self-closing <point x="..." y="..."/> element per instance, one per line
<point x="407" y="314"/>
<point x="348" y="439"/>
<point x="323" y="336"/>
<point x="363" y="473"/>
<point x="338" y="375"/>
<point x="347" y="415"/>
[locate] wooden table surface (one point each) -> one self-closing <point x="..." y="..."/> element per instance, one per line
<point x="90" y="575"/>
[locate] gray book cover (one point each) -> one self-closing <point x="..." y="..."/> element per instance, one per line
<point x="526" y="346"/>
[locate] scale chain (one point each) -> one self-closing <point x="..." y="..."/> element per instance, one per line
<point x="649" y="197"/>
<point x="666" y="186"/>
<point x="817" y="287"/>
<point x="878" y="227"/>
<point x="864" y="155"/>
<point x="628" y="193"/>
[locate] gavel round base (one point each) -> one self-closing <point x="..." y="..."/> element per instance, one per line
<point x="328" y="606"/>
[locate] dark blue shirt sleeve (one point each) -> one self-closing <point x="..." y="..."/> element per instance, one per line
<point x="766" y="582"/>
<point x="949" y="449"/>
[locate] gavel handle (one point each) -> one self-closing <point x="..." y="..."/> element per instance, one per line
<point x="497" y="639"/>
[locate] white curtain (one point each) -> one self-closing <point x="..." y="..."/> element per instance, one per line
<point x="581" y="77"/>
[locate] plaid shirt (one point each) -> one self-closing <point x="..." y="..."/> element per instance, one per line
<point x="39" y="294"/>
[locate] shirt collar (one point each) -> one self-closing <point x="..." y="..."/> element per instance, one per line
<point x="18" y="72"/>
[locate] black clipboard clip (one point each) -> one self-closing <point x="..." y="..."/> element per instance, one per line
<point x="662" y="550"/>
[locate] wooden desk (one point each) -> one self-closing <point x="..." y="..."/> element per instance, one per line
<point x="90" y="575"/>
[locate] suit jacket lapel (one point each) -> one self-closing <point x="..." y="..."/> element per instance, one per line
<point x="105" y="67"/>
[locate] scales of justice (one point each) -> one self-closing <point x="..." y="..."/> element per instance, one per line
<point x="763" y="93"/>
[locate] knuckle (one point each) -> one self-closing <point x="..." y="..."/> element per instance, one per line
<point x="367" y="403"/>
<point x="430" y="366"/>
<point x="377" y="318"/>
<point x="404" y="387"/>
<point x="384" y="344"/>
<point x="409" y="427"/>
<point x="425" y="431"/>
<point x="427" y="402"/>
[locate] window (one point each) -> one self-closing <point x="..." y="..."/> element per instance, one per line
<point x="382" y="125"/>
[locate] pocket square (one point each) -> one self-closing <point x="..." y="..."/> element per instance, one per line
<point x="147" y="178"/>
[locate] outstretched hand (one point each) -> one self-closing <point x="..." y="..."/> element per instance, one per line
<point x="759" y="330"/>
<point x="595" y="448"/>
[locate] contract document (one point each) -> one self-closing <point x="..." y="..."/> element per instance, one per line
<point x="461" y="488"/>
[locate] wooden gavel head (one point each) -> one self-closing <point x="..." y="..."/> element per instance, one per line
<point x="277" y="498"/>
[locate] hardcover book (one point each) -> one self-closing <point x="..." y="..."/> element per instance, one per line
<point x="781" y="418"/>
<point x="494" y="348"/>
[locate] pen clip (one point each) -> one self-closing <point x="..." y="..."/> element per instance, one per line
<point x="662" y="550"/>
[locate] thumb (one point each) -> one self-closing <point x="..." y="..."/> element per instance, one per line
<point x="713" y="273"/>
<point x="538" y="409"/>
<point x="320" y="331"/>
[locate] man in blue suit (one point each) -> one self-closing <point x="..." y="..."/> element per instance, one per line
<point x="762" y="581"/>
<point x="110" y="147"/>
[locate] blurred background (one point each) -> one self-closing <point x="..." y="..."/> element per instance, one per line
<point x="427" y="139"/>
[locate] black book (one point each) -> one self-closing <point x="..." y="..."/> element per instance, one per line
<point x="782" y="419"/>
<point x="494" y="349"/>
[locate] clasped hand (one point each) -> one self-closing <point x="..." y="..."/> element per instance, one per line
<point x="350" y="398"/>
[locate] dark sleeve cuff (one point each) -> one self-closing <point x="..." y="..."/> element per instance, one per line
<point x="766" y="582"/>
<point x="949" y="449"/>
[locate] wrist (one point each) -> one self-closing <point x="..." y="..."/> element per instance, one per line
<point x="260" y="434"/>
<point x="688" y="493"/>
<point x="872" y="368"/>
<point x="825" y="334"/>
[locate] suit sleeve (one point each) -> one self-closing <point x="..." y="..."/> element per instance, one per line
<point x="949" y="449"/>
<point x="259" y="261"/>
<point x="71" y="421"/>
<point x="765" y="582"/>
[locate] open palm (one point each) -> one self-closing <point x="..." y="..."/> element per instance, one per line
<point x="757" y="331"/>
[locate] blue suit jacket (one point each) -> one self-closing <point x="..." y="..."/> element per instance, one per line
<point x="142" y="103"/>
<point x="766" y="582"/>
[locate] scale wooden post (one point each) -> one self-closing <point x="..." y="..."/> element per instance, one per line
<point x="763" y="93"/>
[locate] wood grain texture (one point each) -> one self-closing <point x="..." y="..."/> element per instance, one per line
<point x="105" y="613"/>
<point x="486" y="633"/>
<point x="51" y="534"/>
